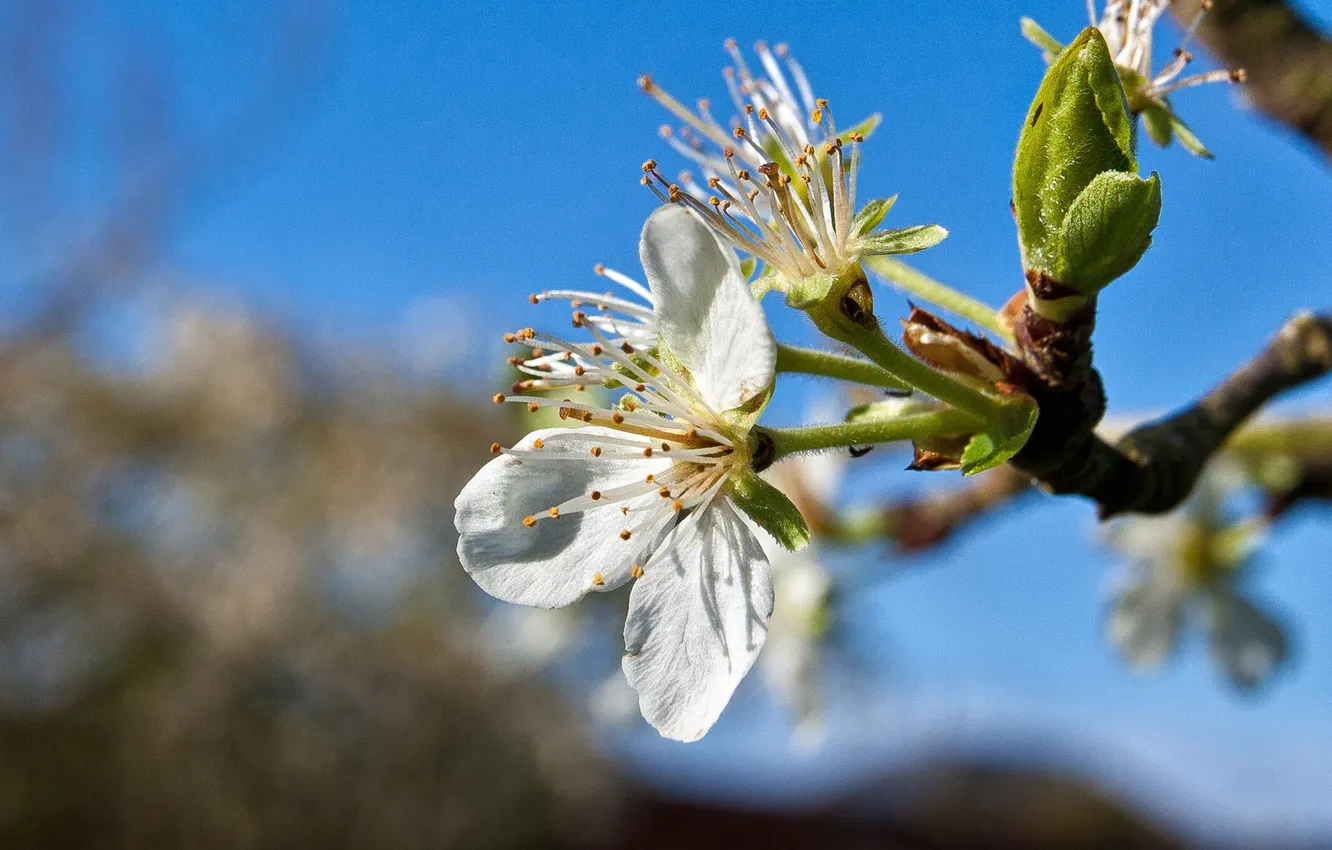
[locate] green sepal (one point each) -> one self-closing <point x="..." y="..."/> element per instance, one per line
<point x="808" y="291"/>
<point x="1037" y="35"/>
<point x="1156" y="121"/>
<point x="1107" y="230"/>
<point x="747" y="267"/>
<point x="1078" y="126"/>
<point x="870" y="215"/>
<point x="765" y="283"/>
<point x="992" y="447"/>
<point x="864" y="128"/>
<point x="1186" y="138"/>
<point x="770" y="509"/>
<point x="903" y="240"/>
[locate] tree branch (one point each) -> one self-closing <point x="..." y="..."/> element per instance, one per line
<point x="1154" y="467"/>
<point x="1288" y="63"/>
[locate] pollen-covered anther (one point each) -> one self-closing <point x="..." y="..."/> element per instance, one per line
<point x="510" y="338"/>
<point x="664" y="492"/>
<point x="665" y="447"/>
<point x="625" y="534"/>
<point x="646" y="84"/>
<point x="495" y="448"/>
<point x="498" y="398"/>
<point x="599" y="268"/>
<point x="529" y="521"/>
<point x="579" y="319"/>
<point x="534" y="298"/>
<point x="636" y="571"/>
<point x="538" y="443"/>
<point x="617" y="418"/>
<point x="677" y="506"/>
<point x="579" y="371"/>
<point x="596" y="451"/>
<point x="554" y="513"/>
<point x="599" y="580"/>
<point x="647" y="452"/>
<point x="533" y="407"/>
<point x="650" y="478"/>
<point x="627" y="348"/>
<point x="649" y="166"/>
<point x="1239" y="75"/>
<point x="595" y="495"/>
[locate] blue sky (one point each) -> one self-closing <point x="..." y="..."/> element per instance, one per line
<point x="450" y="158"/>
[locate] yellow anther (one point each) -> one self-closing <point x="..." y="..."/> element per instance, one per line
<point x="647" y="452"/>
<point x="599" y="580"/>
<point x="649" y="166"/>
<point x="636" y="571"/>
<point x="554" y="513"/>
<point x="617" y="418"/>
<point x="677" y="505"/>
<point x="625" y="534"/>
<point x="645" y="83"/>
<point x="651" y="479"/>
<point x="596" y="451"/>
<point x="510" y="338"/>
<point x="533" y="407"/>
<point x="495" y="448"/>
<point x="595" y="495"/>
<point x="529" y="521"/>
<point x="538" y="443"/>
<point x="664" y="492"/>
<point x="498" y="398"/>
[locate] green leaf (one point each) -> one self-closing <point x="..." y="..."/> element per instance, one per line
<point x="1001" y="441"/>
<point x="1107" y="230"/>
<point x="904" y="240"/>
<point x="891" y="408"/>
<point x="774" y="513"/>
<point x="1034" y="33"/>
<point x="1186" y="138"/>
<point x="870" y="215"/>
<point x="1156" y="121"/>
<point x="1077" y="127"/>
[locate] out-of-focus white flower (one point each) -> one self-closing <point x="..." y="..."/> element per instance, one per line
<point x="1187" y="566"/>
<point x="795" y="654"/>
<point x="517" y="641"/>
<point x="647" y="490"/>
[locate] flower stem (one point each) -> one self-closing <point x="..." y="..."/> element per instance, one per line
<point x="871" y="341"/>
<point x="939" y="294"/>
<point x="809" y="361"/>
<point x="910" y="426"/>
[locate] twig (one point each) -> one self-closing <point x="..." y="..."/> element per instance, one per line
<point x="1287" y="62"/>
<point x="1153" y="468"/>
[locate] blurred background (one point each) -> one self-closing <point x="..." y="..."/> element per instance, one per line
<point x="259" y="257"/>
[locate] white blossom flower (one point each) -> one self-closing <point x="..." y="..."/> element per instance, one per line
<point x="780" y="179"/>
<point x="647" y="488"/>
<point x="1185" y="566"/>
<point x="1127" y="26"/>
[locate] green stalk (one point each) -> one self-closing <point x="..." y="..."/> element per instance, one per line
<point x="871" y="342"/>
<point x="939" y="294"/>
<point x="809" y="361"/>
<point x="910" y="426"/>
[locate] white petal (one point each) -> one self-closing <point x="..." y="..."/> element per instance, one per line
<point x="555" y="562"/>
<point x="705" y="313"/>
<point x="1145" y="620"/>
<point x="697" y="619"/>
<point x="1246" y="642"/>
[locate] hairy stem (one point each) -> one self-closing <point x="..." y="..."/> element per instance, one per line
<point x="910" y="426"/>
<point x="941" y="295"/>
<point x="810" y="361"/>
<point x="862" y="332"/>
